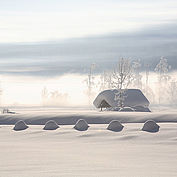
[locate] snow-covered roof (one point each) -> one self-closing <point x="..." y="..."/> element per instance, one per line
<point x="133" y="97"/>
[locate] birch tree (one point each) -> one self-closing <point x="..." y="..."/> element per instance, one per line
<point x="162" y="69"/>
<point x="172" y="92"/>
<point x="147" y="79"/>
<point x="121" y="78"/>
<point x="105" y="80"/>
<point x="90" y="81"/>
<point x="44" y="96"/>
<point x="137" y="82"/>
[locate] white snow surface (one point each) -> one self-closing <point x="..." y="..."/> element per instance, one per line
<point x="51" y="125"/>
<point x="151" y="126"/>
<point x="115" y="125"/>
<point x="20" y="125"/>
<point x="96" y="152"/>
<point x="71" y="116"/>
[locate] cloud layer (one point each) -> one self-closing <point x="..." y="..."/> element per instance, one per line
<point x="75" y="55"/>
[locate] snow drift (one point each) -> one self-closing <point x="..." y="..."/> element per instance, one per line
<point x="20" y="125"/>
<point x="151" y="126"/>
<point x="127" y="109"/>
<point x="71" y="116"/>
<point x="51" y="125"/>
<point x="115" y="125"/>
<point x="94" y="153"/>
<point x="81" y="125"/>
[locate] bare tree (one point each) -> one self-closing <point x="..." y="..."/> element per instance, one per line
<point x="44" y="96"/>
<point x="147" y="79"/>
<point x="147" y="89"/>
<point x="121" y="78"/>
<point x="105" y="80"/>
<point x="58" y="99"/>
<point x="90" y="81"/>
<point x="162" y="69"/>
<point x="137" y="77"/>
<point x="172" y="92"/>
<point x="1" y="93"/>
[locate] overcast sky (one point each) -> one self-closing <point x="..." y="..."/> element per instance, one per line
<point x="51" y="37"/>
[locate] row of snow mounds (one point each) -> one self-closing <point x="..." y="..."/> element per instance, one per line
<point x="82" y="125"/>
<point x="149" y="126"/>
<point x="116" y="126"/>
<point x="50" y="125"/>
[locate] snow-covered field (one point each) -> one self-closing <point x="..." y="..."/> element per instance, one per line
<point x="39" y="116"/>
<point x="96" y="152"/>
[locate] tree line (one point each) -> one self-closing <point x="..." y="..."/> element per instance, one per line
<point x="158" y="85"/>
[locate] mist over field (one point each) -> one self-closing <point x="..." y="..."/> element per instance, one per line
<point x="71" y="90"/>
<point x="48" y="48"/>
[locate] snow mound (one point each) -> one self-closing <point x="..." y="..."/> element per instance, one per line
<point x="112" y="109"/>
<point x="20" y="125"/>
<point x="151" y="126"/>
<point x="141" y="109"/>
<point x="126" y="109"/>
<point x="51" y="125"/>
<point x="115" y="125"/>
<point x="81" y="125"/>
<point x="133" y="97"/>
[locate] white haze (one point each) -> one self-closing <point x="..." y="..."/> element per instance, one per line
<point x="27" y="90"/>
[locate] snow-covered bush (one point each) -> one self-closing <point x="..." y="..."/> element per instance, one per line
<point x="126" y="109"/>
<point x="81" y="125"/>
<point x="20" y="125"/>
<point x="121" y="78"/>
<point x="151" y="126"/>
<point x="115" y="125"/>
<point x="5" y="110"/>
<point x="112" y="109"/>
<point x="141" y="109"/>
<point x="51" y="125"/>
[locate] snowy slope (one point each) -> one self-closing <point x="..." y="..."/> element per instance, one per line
<point x="97" y="152"/>
<point x="70" y="117"/>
